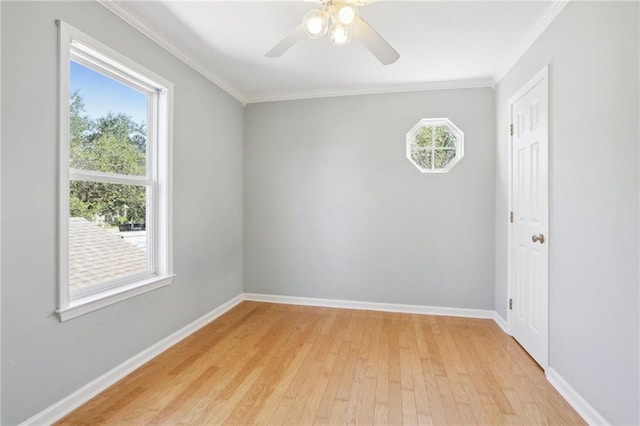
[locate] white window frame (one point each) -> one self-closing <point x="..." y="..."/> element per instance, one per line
<point x="436" y="122"/>
<point x="79" y="47"/>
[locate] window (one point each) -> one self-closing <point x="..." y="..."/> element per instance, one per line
<point x="115" y="170"/>
<point x="435" y="145"/>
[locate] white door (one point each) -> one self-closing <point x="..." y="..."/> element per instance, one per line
<point x="529" y="245"/>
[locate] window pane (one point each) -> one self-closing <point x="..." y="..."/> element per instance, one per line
<point x="108" y="124"/>
<point x="424" y="137"/>
<point x="107" y="232"/>
<point x="444" y="138"/>
<point x="443" y="157"/>
<point x="422" y="157"/>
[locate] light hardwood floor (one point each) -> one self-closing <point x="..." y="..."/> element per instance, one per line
<point x="278" y="364"/>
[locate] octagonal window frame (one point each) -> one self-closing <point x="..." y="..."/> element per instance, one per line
<point x="432" y="123"/>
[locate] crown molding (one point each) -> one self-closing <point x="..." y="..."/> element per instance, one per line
<point x="549" y="16"/>
<point x="120" y="10"/>
<point x="141" y="25"/>
<point x="413" y="87"/>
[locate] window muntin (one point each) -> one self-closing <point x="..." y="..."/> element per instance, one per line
<point x="434" y="145"/>
<point x="115" y="193"/>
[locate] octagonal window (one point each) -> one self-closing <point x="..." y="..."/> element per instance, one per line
<point x="435" y="145"/>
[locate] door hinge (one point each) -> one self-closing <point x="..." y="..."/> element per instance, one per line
<point x="511" y="217"/>
<point x="511" y="304"/>
<point x="511" y="129"/>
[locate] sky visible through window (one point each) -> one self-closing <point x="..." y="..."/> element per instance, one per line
<point x="102" y="95"/>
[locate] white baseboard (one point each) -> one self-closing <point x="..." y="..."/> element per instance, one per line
<point x="71" y="402"/>
<point x="582" y="407"/>
<point x="66" y="405"/>
<point x="371" y="306"/>
<point x="502" y="323"/>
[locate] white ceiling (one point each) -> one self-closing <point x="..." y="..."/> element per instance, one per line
<point x="441" y="44"/>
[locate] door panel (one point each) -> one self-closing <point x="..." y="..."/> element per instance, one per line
<point x="528" y="320"/>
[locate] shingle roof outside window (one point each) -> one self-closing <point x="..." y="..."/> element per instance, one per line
<point x="98" y="255"/>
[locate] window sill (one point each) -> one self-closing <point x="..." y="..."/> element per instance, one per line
<point x="91" y="303"/>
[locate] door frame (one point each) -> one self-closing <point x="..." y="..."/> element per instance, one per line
<point x="540" y="76"/>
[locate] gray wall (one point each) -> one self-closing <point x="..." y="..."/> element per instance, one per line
<point x="333" y="209"/>
<point x="44" y="360"/>
<point x="592" y="49"/>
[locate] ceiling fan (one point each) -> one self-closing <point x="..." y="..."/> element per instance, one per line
<point x="343" y="22"/>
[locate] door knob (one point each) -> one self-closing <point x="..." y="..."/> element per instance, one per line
<point x="538" y="238"/>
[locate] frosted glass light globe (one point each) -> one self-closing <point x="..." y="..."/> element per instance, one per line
<point x="315" y="23"/>
<point x="346" y="14"/>
<point x="340" y="35"/>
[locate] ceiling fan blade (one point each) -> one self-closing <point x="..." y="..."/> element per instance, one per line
<point x="365" y="34"/>
<point x="286" y="43"/>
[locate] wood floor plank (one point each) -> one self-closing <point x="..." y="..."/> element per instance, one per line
<point x="382" y="384"/>
<point x="301" y="382"/>
<point x="266" y="397"/>
<point x="269" y="364"/>
<point x="381" y="414"/>
<point x="417" y="376"/>
<point x="395" y="373"/>
<point x="320" y="378"/>
<point x="329" y="396"/>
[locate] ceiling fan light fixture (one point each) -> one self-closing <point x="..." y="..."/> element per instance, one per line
<point x="315" y="23"/>
<point x="339" y="34"/>
<point x="345" y="22"/>
<point x="346" y="13"/>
